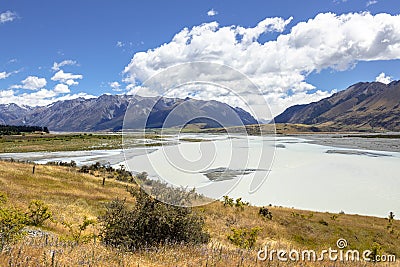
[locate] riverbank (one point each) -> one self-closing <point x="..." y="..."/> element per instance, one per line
<point x="379" y="142"/>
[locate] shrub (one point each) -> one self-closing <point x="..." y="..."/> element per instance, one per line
<point x="76" y="230"/>
<point x="38" y="213"/>
<point x="12" y="221"/>
<point x="391" y="216"/>
<point x="323" y="222"/>
<point x="244" y="238"/>
<point x="376" y="251"/>
<point x="240" y="204"/>
<point x="265" y="212"/>
<point x="150" y="223"/>
<point x="228" y="201"/>
<point x="178" y="196"/>
<point x="142" y="176"/>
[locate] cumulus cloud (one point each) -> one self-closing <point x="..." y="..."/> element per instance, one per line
<point x="42" y="97"/>
<point x="57" y="66"/>
<point x="67" y="78"/>
<point x="371" y="2"/>
<point x="4" y="75"/>
<point x="279" y="67"/>
<point x="32" y="83"/>
<point x="212" y="12"/>
<point x="382" y="78"/>
<point x="61" y="88"/>
<point x="8" y="16"/>
<point x="115" y="86"/>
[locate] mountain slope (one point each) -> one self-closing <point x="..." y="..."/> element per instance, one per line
<point x="107" y="112"/>
<point x="361" y="106"/>
<point x="11" y="112"/>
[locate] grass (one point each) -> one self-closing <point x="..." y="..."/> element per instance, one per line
<point x="72" y="195"/>
<point x="78" y="142"/>
<point x="62" y="142"/>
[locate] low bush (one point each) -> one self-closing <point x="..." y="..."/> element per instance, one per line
<point x="150" y="223"/>
<point x="265" y="213"/>
<point x="243" y="237"/>
<point x="38" y="213"/>
<point x="12" y="221"/>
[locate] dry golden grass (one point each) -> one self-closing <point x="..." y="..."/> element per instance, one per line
<point x="72" y="195"/>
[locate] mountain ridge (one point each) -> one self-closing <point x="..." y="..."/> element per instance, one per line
<point x="107" y="113"/>
<point x="362" y="106"/>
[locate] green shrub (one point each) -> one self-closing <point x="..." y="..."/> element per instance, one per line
<point x="376" y="251"/>
<point x="38" y="213"/>
<point x="265" y="212"/>
<point x="243" y="237"/>
<point x="240" y="204"/>
<point x="76" y="230"/>
<point x="150" y="223"/>
<point x="12" y="221"/>
<point x="228" y="201"/>
<point x="391" y="216"/>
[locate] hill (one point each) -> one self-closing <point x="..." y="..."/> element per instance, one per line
<point x="362" y="106"/>
<point x="72" y="196"/>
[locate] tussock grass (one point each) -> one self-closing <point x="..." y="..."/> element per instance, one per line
<point x="72" y="196"/>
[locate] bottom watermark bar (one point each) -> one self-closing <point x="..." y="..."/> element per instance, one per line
<point x="330" y="254"/>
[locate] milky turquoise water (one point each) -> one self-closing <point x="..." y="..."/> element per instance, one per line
<point x="282" y="171"/>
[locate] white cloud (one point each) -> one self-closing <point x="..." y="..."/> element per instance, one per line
<point x="67" y="78"/>
<point x="115" y="86"/>
<point x="8" y="16"/>
<point x="278" y="67"/>
<point x="61" y="88"/>
<point x="42" y="97"/>
<point x="382" y="78"/>
<point x="32" y="83"/>
<point x="57" y="66"/>
<point x="4" y="75"/>
<point x="371" y="2"/>
<point x="212" y="12"/>
<point x="120" y="44"/>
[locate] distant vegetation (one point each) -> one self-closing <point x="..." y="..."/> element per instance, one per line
<point x="16" y="130"/>
<point x="58" y="142"/>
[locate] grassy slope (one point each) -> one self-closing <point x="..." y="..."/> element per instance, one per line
<point x="72" y="195"/>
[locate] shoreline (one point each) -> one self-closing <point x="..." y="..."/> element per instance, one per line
<point x="342" y="141"/>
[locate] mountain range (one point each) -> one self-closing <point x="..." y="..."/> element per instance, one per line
<point x="107" y="112"/>
<point x="362" y="106"/>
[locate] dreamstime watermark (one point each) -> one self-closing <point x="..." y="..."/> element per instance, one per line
<point x="331" y="254"/>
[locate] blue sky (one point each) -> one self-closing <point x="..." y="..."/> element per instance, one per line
<point x="95" y="42"/>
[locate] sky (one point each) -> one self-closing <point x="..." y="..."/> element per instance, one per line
<point x="294" y="51"/>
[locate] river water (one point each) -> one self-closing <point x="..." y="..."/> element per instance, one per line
<point x="282" y="171"/>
